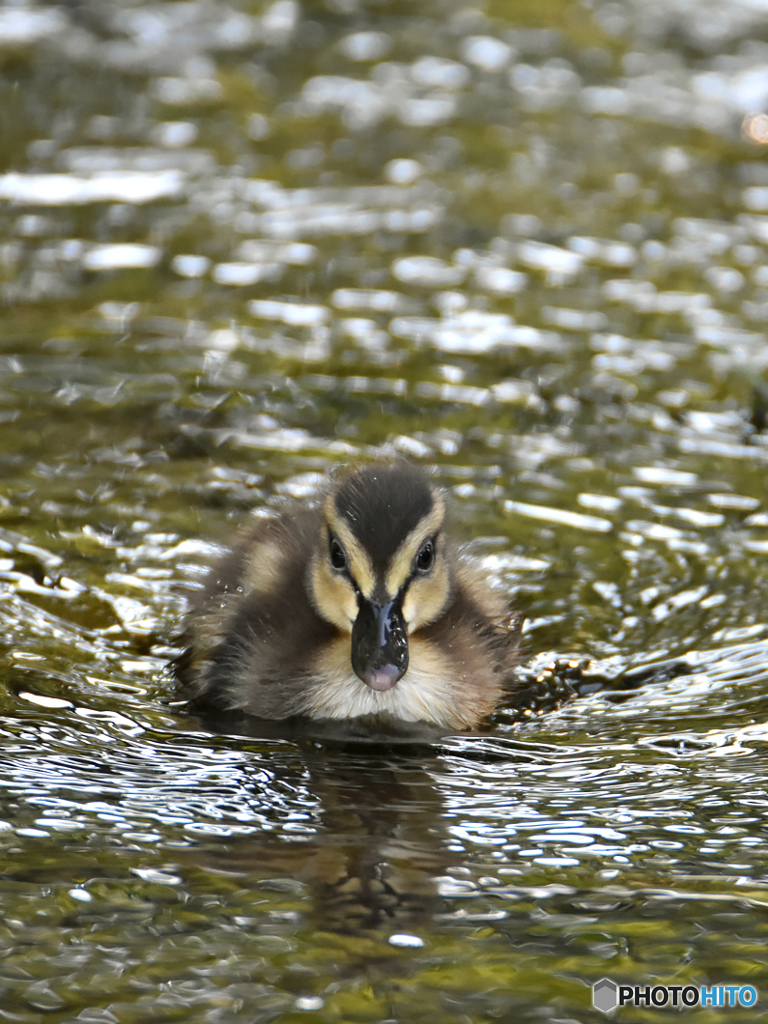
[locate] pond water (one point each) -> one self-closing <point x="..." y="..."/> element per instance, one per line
<point x="523" y="243"/>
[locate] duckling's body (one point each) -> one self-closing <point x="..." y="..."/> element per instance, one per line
<point x="359" y="606"/>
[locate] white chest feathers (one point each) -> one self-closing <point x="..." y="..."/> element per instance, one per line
<point x="426" y="693"/>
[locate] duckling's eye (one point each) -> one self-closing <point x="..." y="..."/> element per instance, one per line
<point x="338" y="558"/>
<point x="426" y="557"/>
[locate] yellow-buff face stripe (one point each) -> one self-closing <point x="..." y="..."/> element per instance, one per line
<point x="402" y="563"/>
<point x="360" y="564"/>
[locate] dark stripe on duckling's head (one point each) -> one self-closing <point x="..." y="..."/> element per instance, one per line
<point x="382" y="505"/>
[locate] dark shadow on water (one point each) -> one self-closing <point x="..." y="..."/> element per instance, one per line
<point x="383" y="838"/>
<point x="371" y="863"/>
<point x="365" y="731"/>
<point x="566" y="679"/>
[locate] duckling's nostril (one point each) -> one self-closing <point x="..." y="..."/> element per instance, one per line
<point x="383" y="678"/>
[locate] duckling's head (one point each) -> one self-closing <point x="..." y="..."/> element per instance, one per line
<point x="381" y="569"/>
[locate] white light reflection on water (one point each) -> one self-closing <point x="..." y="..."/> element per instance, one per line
<point x="101" y="187"/>
<point x="172" y="786"/>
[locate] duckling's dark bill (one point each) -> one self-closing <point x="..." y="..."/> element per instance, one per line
<point x="359" y="605"/>
<point x="380" y="644"/>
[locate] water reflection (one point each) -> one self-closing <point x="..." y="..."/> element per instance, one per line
<point x="368" y="853"/>
<point x="486" y="840"/>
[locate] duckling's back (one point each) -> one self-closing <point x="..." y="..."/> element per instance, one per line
<point x="251" y="630"/>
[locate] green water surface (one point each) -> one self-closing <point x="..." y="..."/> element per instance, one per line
<point x="522" y="243"/>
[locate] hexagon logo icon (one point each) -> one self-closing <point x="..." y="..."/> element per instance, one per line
<point x="605" y="995"/>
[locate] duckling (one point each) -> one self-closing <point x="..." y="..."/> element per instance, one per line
<point x="359" y="606"/>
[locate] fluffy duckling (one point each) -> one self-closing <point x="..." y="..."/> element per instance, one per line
<point x="361" y="605"/>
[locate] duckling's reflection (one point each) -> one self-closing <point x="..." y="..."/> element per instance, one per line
<point x="372" y="862"/>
